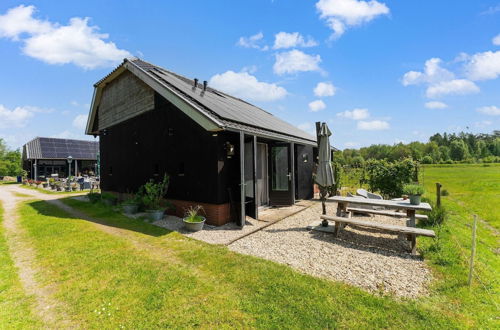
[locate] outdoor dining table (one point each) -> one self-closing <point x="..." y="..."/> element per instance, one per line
<point x="343" y="204"/>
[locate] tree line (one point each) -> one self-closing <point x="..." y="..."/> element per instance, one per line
<point x="443" y="148"/>
<point x="10" y="161"/>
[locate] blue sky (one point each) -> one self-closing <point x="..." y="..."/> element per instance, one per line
<point x="377" y="71"/>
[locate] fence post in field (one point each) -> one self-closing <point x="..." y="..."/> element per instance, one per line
<point x="438" y="194"/>
<point x="473" y="250"/>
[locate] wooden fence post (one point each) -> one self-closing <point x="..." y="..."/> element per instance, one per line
<point x="473" y="250"/>
<point x="438" y="194"/>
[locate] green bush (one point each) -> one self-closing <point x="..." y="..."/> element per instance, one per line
<point x="389" y="177"/>
<point x="152" y="193"/>
<point x="436" y="217"/>
<point x="413" y="189"/>
<point x="445" y="192"/>
<point x="427" y="160"/>
<point x="94" y="197"/>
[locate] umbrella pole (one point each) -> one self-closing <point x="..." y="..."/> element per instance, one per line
<point x="322" y="196"/>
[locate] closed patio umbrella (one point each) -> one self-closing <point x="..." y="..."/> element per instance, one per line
<point x="324" y="174"/>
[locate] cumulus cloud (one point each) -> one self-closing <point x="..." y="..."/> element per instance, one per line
<point x="253" y="41"/>
<point x="317" y="105"/>
<point x="436" y="105"/>
<point x="323" y="89"/>
<point x="16" y="117"/>
<point x="439" y="80"/>
<point x="246" y="86"/>
<point x="355" y="114"/>
<point x="341" y="14"/>
<point x="290" y="40"/>
<point x="452" y="87"/>
<point x="489" y="110"/>
<point x="77" y="43"/>
<point x="374" y="125"/>
<point x="80" y="121"/>
<point x="496" y="40"/>
<point x="295" y="61"/>
<point x="483" y="123"/>
<point x="483" y="66"/>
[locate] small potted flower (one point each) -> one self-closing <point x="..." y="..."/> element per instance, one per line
<point x="414" y="191"/>
<point x="59" y="186"/>
<point x="192" y="220"/>
<point x="45" y="184"/>
<point x="73" y="186"/>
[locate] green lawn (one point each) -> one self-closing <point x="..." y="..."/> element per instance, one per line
<point x="173" y="281"/>
<point x="15" y="306"/>
<point x="156" y="278"/>
<point x="473" y="189"/>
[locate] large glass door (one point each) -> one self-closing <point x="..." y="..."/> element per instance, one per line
<point x="280" y="192"/>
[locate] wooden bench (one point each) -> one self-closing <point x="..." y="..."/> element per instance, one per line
<point x="383" y="212"/>
<point x="410" y="231"/>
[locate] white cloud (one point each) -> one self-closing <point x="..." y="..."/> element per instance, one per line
<point x="436" y="105"/>
<point x="483" y="124"/>
<point x="355" y="114"/>
<point x="483" y="66"/>
<point x="323" y="89"/>
<point x="374" y="125"/>
<point x="17" y="117"/>
<point x="289" y="40"/>
<point x="252" y="42"/>
<point x="246" y="86"/>
<point x="296" y="61"/>
<point x="490" y="110"/>
<point x="80" y="121"/>
<point x="351" y="144"/>
<point x="308" y="127"/>
<point x="496" y="40"/>
<point x="452" y="87"/>
<point x="340" y="14"/>
<point x="433" y="73"/>
<point x="76" y="43"/>
<point x="317" y="105"/>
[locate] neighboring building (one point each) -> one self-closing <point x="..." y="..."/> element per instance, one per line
<point x="221" y="152"/>
<point x="43" y="157"/>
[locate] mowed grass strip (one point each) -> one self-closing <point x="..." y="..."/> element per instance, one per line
<point x="473" y="189"/>
<point x="15" y="305"/>
<point x="214" y="286"/>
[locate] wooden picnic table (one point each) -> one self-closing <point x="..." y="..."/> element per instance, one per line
<point x="343" y="203"/>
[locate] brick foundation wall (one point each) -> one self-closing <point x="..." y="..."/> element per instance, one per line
<point x="216" y="215"/>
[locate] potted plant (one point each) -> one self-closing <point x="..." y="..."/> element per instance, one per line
<point x="131" y="205"/>
<point x="73" y="186"/>
<point x="152" y="193"/>
<point x="192" y="220"/>
<point x="414" y="191"/>
<point x="45" y="184"/>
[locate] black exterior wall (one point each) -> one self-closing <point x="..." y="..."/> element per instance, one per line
<point x="163" y="140"/>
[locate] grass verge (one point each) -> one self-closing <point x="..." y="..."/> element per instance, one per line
<point x="15" y="305"/>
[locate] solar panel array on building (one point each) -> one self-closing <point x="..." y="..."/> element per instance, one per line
<point x="46" y="157"/>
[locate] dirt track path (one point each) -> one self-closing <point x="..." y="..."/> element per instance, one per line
<point x="23" y="254"/>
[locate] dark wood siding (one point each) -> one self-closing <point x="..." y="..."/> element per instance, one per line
<point x="163" y="140"/>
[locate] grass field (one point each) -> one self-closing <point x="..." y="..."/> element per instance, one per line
<point x="151" y="277"/>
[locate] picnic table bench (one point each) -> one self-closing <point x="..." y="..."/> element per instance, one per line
<point x="344" y="217"/>
<point x="383" y="212"/>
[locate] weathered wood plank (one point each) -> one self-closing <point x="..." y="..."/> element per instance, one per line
<point x="381" y="212"/>
<point x="382" y="226"/>
<point x="381" y="202"/>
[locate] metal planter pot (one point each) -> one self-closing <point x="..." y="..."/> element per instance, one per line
<point x="414" y="199"/>
<point x="193" y="226"/>
<point x="130" y="208"/>
<point x="155" y="215"/>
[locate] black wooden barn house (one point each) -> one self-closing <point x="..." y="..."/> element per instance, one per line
<point x="221" y="152"/>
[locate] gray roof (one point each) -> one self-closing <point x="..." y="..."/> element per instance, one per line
<point x="53" y="148"/>
<point x="232" y="112"/>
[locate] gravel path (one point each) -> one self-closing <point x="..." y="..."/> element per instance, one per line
<point x="372" y="260"/>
